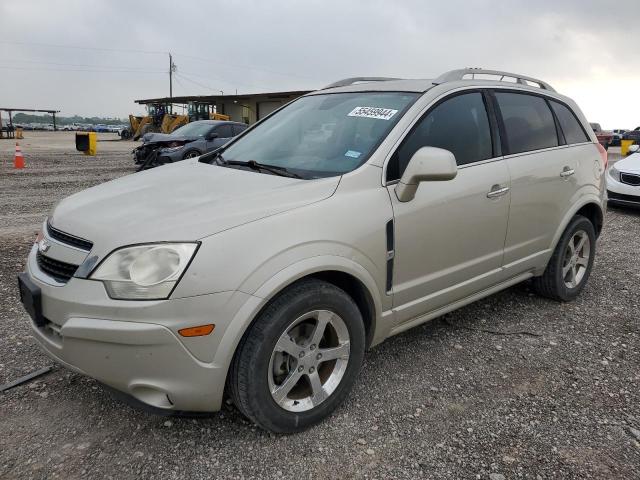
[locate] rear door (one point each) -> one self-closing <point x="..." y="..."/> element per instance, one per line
<point x="542" y="169"/>
<point x="449" y="239"/>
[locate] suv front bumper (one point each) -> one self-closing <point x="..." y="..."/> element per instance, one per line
<point x="133" y="346"/>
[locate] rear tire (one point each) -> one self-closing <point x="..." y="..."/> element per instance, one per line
<point x="570" y="266"/>
<point x="288" y="392"/>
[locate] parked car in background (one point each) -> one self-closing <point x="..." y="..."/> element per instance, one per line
<point x="623" y="180"/>
<point x="190" y="140"/>
<point x="604" y="136"/>
<point x="617" y="136"/>
<point x="266" y="268"/>
<point x="632" y="135"/>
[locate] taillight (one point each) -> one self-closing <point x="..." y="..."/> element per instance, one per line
<point x="604" y="155"/>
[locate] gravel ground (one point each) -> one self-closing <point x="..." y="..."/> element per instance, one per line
<point x="445" y="400"/>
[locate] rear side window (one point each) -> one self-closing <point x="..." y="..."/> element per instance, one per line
<point x="459" y="124"/>
<point x="573" y="132"/>
<point x="528" y="122"/>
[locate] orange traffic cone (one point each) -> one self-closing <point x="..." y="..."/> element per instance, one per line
<point x="18" y="161"/>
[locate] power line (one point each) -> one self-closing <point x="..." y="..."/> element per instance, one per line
<point x="79" y="47"/>
<point x="198" y="83"/>
<point x="209" y="77"/>
<point x="72" y="64"/>
<point x="44" y="69"/>
<point x="246" y="67"/>
<point x="156" y="52"/>
<point x="179" y="82"/>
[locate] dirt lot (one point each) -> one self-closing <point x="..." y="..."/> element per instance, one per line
<point x="445" y="400"/>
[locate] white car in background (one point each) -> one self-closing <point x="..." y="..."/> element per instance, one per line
<point x="623" y="181"/>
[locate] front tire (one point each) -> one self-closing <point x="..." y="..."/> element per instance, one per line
<point x="191" y="154"/>
<point x="570" y="266"/>
<point x="300" y="358"/>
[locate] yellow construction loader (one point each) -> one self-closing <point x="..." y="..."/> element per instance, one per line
<point x="159" y="120"/>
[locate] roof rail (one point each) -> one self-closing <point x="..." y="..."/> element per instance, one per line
<point x="350" y="81"/>
<point x="460" y="74"/>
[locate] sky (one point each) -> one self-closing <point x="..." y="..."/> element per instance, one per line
<point x="96" y="57"/>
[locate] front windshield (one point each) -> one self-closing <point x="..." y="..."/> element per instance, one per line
<point x="323" y="135"/>
<point x="193" y="129"/>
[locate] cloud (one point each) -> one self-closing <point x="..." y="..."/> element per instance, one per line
<point x="583" y="47"/>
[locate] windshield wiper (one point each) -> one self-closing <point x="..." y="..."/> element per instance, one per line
<point x="215" y="155"/>
<point x="253" y="165"/>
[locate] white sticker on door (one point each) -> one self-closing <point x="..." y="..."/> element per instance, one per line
<point x="373" y="112"/>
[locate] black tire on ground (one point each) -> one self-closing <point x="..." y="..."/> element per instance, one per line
<point x="552" y="284"/>
<point x="248" y="382"/>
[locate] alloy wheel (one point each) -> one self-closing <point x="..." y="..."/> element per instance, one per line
<point x="576" y="259"/>
<point x="309" y="361"/>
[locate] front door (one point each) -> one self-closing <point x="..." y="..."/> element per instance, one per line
<point x="449" y="240"/>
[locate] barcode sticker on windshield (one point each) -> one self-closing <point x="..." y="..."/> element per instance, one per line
<point x="373" y="112"/>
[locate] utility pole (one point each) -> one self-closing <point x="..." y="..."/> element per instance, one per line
<point x="172" y="68"/>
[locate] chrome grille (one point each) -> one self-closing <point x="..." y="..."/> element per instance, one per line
<point x="60" y="271"/>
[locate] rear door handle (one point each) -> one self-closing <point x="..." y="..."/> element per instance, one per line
<point x="567" y="172"/>
<point x="497" y="191"/>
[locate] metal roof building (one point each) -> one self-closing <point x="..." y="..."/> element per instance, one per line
<point x="247" y="108"/>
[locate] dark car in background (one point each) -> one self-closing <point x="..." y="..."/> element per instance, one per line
<point x="617" y="136"/>
<point x="632" y="135"/>
<point x="188" y="141"/>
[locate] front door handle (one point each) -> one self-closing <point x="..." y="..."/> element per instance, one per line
<point x="497" y="191"/>
<point x="567" y="172"/>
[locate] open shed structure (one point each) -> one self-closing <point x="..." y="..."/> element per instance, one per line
<point x="9" y="126"/>
<point x="246" y="108"/>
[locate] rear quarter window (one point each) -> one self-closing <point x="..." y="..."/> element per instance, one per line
<point x="528" y="122"/>
<point x="571" y="128"/>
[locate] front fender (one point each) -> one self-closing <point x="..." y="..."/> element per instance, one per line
<point x="279" y="281"/>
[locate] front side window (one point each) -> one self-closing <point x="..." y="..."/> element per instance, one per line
<point x="238" y="129"/>
<point x="528" y="122"/>
<point x="459" y="124"/>
<point x="224" y="131"/>
<point x="573" y="132"/>
<point x="323" y="135"/>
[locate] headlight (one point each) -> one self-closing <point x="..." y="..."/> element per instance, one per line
<point x="615" y="173"/>
<point x="144" y="272"/>
<point x="172" y="147"/>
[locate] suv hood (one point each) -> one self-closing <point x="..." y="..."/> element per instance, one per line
<point x="184" y="201"/>
<point x="629" y="164"/>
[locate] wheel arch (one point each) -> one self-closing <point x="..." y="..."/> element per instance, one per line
<point x="591" y="208"/>
<point x="339" y="271"/>
<point x="594" y="213"/>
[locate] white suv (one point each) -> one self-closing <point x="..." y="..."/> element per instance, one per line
<point x="266" y="268"/>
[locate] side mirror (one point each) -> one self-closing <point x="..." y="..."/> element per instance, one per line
<point x="428" y="164"/>
<point x="633" y="149"/>
<point x="211" y="135"/>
